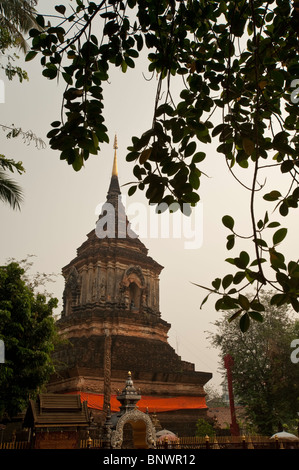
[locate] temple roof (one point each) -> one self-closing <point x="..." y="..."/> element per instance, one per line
<point x="114" y="189"/>
<point x="52" y="409"/>
<point x="113" y="222"/>
<point x="129" y="396"/>
<point x="110" y="253"/>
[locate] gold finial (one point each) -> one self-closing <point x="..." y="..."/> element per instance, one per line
<point x="115" y="142"/>
<point x="114" y="169"/>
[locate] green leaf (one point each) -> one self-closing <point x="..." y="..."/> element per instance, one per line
<point x="132" y="53"/>
<point x="67" y="78"/>
<point x="293" y="269"/>
<point x="130" y="62"/>
<point x="111" y="28"/>
<point x="279" y="235"/>
<point x="227" y="280"/>
<point x="190" y="149"/>
<point x="132" y="156"/>
<point x="295" y="304"/>
<point x="78" y="162"/>
<point x="257" y="316"/>
<point x="40" y="20"/>
<point x="191" y="197"/>
<point x="272" y="196"/>
<point x="260" y="242"/>
<point x="139" y="41"/>
<point x="60" y="8"/>
<point x="282" y="279"/>
<point x="132" y="190"/>
<point x="244" y="302"/>
<point x="244" y="257"/>
<point x="204" y="301"/>
<point x="228" y="222"/>
<point x="218" y="129"/>
<point x="278" y="299"/>
<point x="273" y="225"/>
<point x="124" y="66"/>
<point x="194" y="180"/>
<point x="287" y="166"/>
<point x="198" y="157"/>
<point x="266" y="218"/>
<point x="216" y="283"/>
<point x="244" y="322"/>
<point x="99" y="76"/>
<point x="257" y="261"/>
<point x="164" y="108"/>
<point x="94" y="39"/>
<point x="248" y="146"/>
<point x="257" y="306"/>
<point x="95" y="141"/>
<point x="276" y="259"/>
<point x="55" y="123"/>
<point x="284" y="209"/>
<point x="260" y="224"/>
<point x="278" y="78"/>
<point x="239" y="276"/>
<point x="30" y="56"/>
<point x="145" y="155"/>
<point x="235" y="315"/>
<point x="254" y="276"/>
<point x="50" y="72"/>
<point x="243" y="260"/>
<point x="230" y="242"/>
<point x="226" y="303"/>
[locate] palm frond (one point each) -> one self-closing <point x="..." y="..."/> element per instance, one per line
<point x="10" y="192"/>
<point x="18" y="17"/>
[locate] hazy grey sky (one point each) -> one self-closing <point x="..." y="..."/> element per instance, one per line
<point x="59" y="207"/>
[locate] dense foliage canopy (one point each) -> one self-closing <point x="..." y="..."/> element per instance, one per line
<point x="28" y="331"/>
<point x="238" y="68"/>
<point x="265" y="378"/>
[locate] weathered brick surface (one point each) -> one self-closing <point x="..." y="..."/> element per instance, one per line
<point x="181" y="422"/>
<point x="112" y="288"/>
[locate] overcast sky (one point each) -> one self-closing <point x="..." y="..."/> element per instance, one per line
<point x="60" y="205"/>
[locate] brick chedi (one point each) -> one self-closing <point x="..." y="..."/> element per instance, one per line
<point x="112" y="324"/>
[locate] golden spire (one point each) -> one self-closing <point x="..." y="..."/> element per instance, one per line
<point x="114" y="169"/>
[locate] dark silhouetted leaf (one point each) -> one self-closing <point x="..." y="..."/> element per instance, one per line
<point x="244" y="322"/>
<point x="228" y="222"/>
<point x="279" y="235"/>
